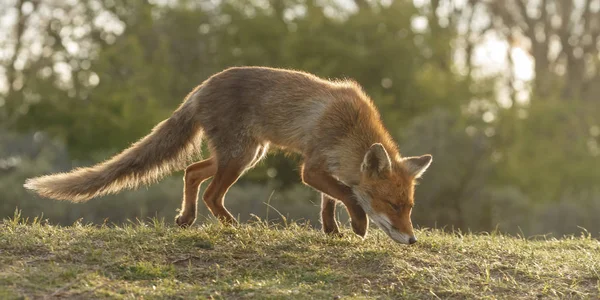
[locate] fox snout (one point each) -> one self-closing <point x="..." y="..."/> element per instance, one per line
<point x="401" y="237"/>
<point x="393" y="232"/>
<point x="405" y="239"/>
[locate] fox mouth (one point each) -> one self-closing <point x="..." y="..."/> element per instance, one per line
<point x="399" y="237"/>
<point x="381" y="220"/>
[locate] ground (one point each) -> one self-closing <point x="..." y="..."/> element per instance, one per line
<point x="156" y="260"/>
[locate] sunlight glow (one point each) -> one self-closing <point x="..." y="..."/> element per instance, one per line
<point x="523" y="64"/>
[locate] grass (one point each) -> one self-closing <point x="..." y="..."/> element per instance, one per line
<point x="154" y="260"/>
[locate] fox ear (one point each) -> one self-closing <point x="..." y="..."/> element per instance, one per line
<point x="376" y="161"/>
<point x="417" y="165"/>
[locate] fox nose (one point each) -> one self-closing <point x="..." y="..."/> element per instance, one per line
<point x="412" y="240"/>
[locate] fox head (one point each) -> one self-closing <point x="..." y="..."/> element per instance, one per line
<point x="386" y="190"/>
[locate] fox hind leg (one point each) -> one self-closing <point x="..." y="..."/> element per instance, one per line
<point x="195" y="174"/>
<point x="229" y="170"/>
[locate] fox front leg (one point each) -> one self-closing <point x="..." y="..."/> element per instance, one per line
<point x="328" y="222"/>
<point x="327" y="184"/>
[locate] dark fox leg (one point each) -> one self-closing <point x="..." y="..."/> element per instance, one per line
<point x="228" y="171"/>
<point x="195" y="174"/>
<point x="315" y="176"/>
<point x="329" y="224"/>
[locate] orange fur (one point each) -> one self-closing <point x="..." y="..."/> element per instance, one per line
<point x="241" y="112"/>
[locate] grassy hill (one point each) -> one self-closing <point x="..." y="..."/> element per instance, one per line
<point x="255" y="261"/>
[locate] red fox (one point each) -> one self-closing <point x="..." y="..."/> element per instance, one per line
<point x="348" y="155"/>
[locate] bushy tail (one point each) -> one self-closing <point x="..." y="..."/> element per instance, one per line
<point x="166" y="149"/>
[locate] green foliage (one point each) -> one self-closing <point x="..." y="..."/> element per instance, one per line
<point x="552" y="151"/>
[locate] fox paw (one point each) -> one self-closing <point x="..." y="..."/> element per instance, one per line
<point x="360" y="228"/>
<point x="184" y="221"/>
<point x="332" y="231"/>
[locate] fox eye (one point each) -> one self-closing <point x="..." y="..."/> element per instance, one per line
<point x="395" y="207"/>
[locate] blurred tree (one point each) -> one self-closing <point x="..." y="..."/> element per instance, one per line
<point x="547" y="142"/>
<point x="562" y="37"/>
